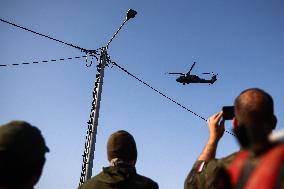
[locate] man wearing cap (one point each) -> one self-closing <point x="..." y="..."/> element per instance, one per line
<point x="121" y="174"/>
<point x="22" y="155"/>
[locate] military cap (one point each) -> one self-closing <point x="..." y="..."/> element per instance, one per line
<point x="121" y="144"/>
<point x="19" y="138"/>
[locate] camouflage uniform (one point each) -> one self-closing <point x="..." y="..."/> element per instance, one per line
<point x="120" y="177"/>
<point x="202" y="174"/>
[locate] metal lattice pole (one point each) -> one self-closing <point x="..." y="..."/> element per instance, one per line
<point x="90" y="142"/>
<point x="88" y="155"/>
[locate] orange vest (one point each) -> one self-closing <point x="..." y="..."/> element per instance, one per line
<point x="265" y="173"/>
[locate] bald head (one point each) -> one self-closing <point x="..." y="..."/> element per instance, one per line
<point x="254" y="107"/>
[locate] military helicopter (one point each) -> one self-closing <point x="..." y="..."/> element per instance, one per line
<point x="188" y="78"/>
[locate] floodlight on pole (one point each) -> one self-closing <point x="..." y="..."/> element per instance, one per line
<point x="130" y="14"/>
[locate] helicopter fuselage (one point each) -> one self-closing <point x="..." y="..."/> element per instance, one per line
<point x="195" y="79"/>
<point x="189" y="78"/>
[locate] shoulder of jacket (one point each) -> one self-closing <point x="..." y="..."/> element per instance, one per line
<point x="147" y="181"/>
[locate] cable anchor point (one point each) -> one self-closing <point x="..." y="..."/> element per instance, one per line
<point x="92" y="54"/>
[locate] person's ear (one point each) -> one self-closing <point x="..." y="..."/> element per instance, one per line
<point x="274" y="122"/>
<point x="133" y="162"/>
<point x="235" y="122"/>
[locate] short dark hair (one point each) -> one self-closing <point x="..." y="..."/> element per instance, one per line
<point x="253" y="107"/>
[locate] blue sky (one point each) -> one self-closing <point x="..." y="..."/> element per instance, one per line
<point x="240" y="40"/>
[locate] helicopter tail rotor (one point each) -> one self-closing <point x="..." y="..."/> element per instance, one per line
<point x="173" y="73"/>
<point x="214" y="78"/>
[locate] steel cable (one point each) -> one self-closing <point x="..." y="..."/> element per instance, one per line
<point x="169" y="98"/>
<point x="94" y="52"/>
<point x="46" y="36"/>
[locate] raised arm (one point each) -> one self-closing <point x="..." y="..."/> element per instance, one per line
<point x="216" y="131"/>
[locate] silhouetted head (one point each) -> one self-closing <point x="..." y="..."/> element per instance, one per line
<point x="122" y="145"/>
<point x="22" y="155"/>
<point x="254" y="115"/>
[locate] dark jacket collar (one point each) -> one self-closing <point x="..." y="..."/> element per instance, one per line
<point x="117" y="174"/>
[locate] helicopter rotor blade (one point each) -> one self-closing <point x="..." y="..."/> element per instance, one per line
<point x="206" y="73"/>
<point x="188" y="73"/>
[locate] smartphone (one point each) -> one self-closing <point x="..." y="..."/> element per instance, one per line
<point x="228" y="112"/>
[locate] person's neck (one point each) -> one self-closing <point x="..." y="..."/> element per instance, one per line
<point x="119" y="162"/>
<point x="261" y="147"/>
